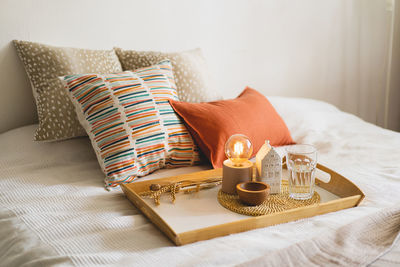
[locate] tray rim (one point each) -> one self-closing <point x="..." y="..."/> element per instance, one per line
<point x="352" y="197"/>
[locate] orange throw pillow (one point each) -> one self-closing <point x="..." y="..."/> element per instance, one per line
<point x="251" y="114"/>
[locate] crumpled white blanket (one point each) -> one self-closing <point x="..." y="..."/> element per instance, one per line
<point x="54" y="209"/>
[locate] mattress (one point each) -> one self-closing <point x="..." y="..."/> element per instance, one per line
<point x="54" y="209"/>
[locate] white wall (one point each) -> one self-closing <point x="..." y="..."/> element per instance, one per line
<point x="393" y="108"/>
<point x="333" y="50"/>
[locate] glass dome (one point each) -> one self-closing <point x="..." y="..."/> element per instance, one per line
<point x="238" y="149"/>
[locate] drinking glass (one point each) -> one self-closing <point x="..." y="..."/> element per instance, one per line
<point x="301" y="161"/>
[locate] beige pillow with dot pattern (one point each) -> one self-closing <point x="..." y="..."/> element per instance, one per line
<point x="44" y="64"/>
<point x="190" y="71"/>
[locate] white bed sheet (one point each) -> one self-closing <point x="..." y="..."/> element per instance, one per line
<point x="54" y="209"/>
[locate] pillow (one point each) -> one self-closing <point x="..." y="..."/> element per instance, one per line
<point x="133" y="129"/>
<point x="44" y="64"/>
<point x="190" y="71"/>
<point x="251" y="114"/>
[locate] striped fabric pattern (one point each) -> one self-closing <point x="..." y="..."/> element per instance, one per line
<point x="130" y="122"/>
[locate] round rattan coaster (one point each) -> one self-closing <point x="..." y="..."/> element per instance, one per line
<point x="274" y="203"/>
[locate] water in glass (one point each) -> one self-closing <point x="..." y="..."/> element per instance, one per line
<point x="301" y="162"/>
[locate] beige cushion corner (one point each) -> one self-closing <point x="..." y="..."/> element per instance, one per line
<point x="193" y="81"/>
<point x="44" y="64"/>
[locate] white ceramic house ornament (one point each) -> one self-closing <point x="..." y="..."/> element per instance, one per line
<point x="269" y="167"/>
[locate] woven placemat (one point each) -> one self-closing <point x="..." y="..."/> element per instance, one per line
<point x="274" y="203"/>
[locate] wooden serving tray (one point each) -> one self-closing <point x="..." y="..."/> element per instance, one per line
<point x="199" y="216"/>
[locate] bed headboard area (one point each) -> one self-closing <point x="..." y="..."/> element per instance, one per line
<point x="335" y="51"/>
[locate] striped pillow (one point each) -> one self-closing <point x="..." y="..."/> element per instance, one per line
<point x="130" y="122"/>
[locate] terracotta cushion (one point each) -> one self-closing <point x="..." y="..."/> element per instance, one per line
<point x="251" y="114"/>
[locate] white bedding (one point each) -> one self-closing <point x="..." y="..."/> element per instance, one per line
<point x="54" y="209"/>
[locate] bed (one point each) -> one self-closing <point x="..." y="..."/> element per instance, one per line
<point x="54" y="209"/>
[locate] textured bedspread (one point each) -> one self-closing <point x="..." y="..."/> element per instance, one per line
<point x="54" y="209"/>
